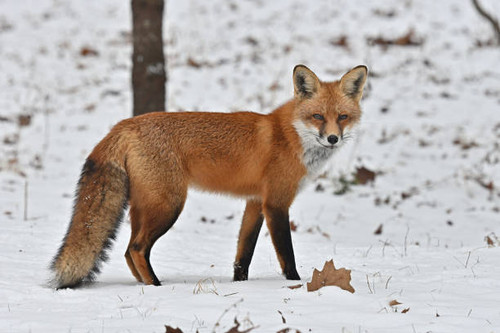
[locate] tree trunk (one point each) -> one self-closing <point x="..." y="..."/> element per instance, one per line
<point x="148" y="61"/>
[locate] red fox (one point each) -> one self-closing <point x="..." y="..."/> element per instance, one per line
<point x="149" y="161"/>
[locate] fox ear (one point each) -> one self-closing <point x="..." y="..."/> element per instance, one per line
<point x="352" y="82"/>
<point x="305" y="82"/>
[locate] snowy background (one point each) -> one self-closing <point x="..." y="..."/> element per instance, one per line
<point x="425" y="232"/>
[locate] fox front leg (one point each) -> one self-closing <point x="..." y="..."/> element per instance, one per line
<point x="278" y="222"/>
<point x="249" y="232"/>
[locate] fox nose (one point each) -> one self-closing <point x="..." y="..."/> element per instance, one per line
<point x="333" y="139"/>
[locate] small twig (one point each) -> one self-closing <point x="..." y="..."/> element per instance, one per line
<point x="387" y="282"/>
<point x="217" y="323"/>
<point x="406" y="241"/>
<point x="367" y="251"/>
<point x="368" y="283"/>
<point x="467" y="261"/>
<point x="385" y="243"/>
<point x="45" y="145"/>
<point x="489" y="18"/>
<point x="26" y="200"/>
<point x="282" y="317"/>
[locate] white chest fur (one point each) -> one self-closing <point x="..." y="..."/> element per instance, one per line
<point x="315" y="156"/>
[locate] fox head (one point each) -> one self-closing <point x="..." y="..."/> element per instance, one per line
<point x="327" y="111"/>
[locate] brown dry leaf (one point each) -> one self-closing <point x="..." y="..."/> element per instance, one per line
<point x="293" y="226"/>
<point x="405" y="310"/>
<point x="489" y="186"/>
<point x="330" y="276"/>
<point x="465" y="144"/>
<point x="379" y="230"/>
<point x="88" y="52"/>
<point x="340" y="41"/>
<point x="295" y="286"/>
<point x="235" y="328"/>
<point x="24" y="120"/>
<point x="326" y="235"/>
<point x="193" y="63"/>
<point x="408" y="39"/>
<point x="275" y="86"/>
<point x="170" y="329"/>
<point x="394" y="303"/>
<point x="492" y="240"/>
<point x="364" y="175"/>
<point x="319" y="188"/>
<point x="289" y="330"/>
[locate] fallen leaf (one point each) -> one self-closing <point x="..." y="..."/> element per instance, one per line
<point x="465" y="144"/>
<point x="364" y="175"/>
<point x="492" y="240"/>
<point x="275" y="86"/>
<point x="394" y="303"/>
<point x="379" y="230"/>
<point x="319" y="188"/>
<point x="295" y="286"/>
<point x="193" y="63"/>
<point x="24" y="120"/>
<point x="341" y="41"/>
<point x="288" y="330"/>
<point x="11" y="139"/>
<point x="293" y="226"/>
<point x="252" y="41"/>
<point x="489" y="186"/>
<point x="88" y="52"/>
<point x="330" y="276"/>
<point x="170" y="329"/>
<point x="405" y="310"/>
<point x="235" y="328"/>
<point x="406" y="40"/>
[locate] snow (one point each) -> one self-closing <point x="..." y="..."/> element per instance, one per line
<point x="430" y="129"/>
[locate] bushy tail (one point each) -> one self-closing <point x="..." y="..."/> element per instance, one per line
<point x="101" y="199"/>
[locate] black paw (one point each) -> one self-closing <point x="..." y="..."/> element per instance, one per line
<point x="292" y="275"/>
<point x="240" y="273"/>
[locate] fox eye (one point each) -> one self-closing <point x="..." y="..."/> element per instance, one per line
<point x="343" y="117"/>
<point x="318" y="116"/>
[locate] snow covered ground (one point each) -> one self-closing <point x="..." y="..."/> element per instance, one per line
<point x="430" y="131"/>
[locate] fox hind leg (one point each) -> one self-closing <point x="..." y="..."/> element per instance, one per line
<point x="151" y="217"/>
<point x="130" y="262"/>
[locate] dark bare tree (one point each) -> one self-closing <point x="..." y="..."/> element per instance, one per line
<point x="148" y="61"/>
